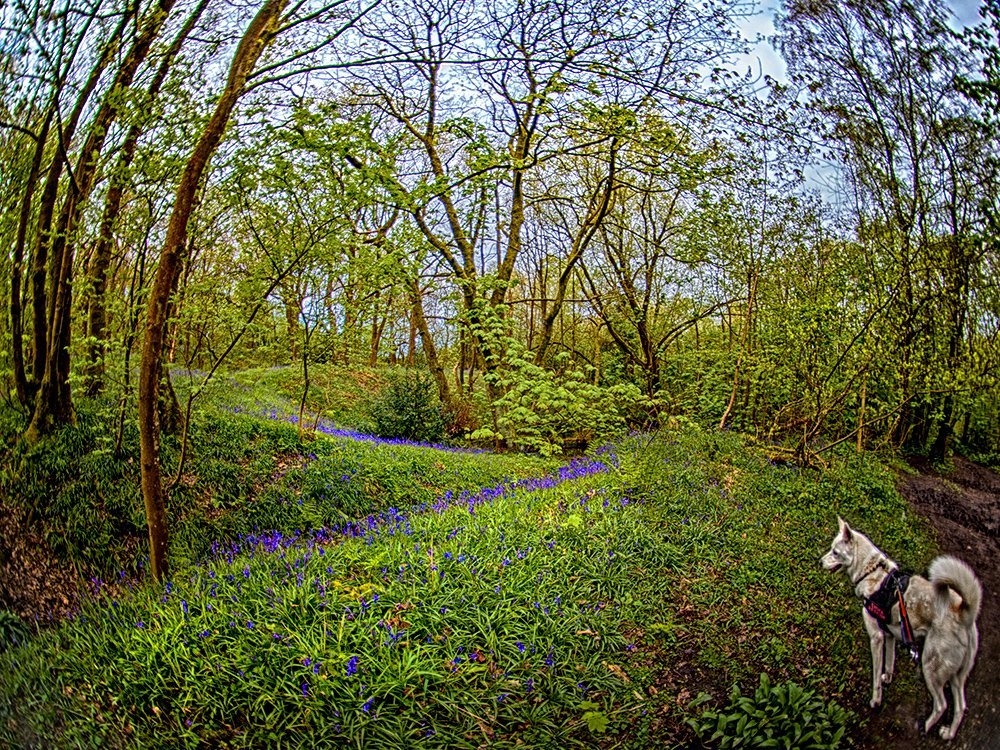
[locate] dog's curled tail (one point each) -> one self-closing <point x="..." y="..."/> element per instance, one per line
<point x="947" y="572"/>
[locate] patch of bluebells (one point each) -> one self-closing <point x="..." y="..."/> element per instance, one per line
<point x="392" y="521"/>
<point x="329" y="428"/>
<point x="352" y="666"/>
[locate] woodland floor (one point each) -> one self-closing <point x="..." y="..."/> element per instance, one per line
<point x="963" y="508"/>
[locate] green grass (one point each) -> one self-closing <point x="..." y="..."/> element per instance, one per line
<point x="342" y="395"/>
<point x="243" y="473"/>
<point x="571" y="614"/>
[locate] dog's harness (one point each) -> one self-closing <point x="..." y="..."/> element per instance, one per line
<point x="879" y="605"/>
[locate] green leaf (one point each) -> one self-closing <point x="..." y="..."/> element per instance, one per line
<point x="596" y="721"/>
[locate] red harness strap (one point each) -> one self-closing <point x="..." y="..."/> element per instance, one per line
<point x="906" y="630"/>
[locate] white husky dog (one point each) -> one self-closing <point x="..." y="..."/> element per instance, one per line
<point x="941" y="611"/>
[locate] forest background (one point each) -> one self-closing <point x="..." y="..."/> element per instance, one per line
<point x="578" y="218"/>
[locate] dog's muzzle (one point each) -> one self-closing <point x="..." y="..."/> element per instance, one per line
<point x="832" y="565"/>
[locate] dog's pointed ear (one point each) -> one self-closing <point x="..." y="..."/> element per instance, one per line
<point x="845" y="530"/>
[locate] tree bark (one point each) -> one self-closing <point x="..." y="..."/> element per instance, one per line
<point x="427" y="340"/>
<point x="25" y="390"/>
<point x="258" y="35"/>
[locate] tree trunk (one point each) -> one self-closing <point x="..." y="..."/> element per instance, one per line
<point x="257" y="36"/>
<point x="427" y="340"/>
<point x="25" y="390"/>
<point x="600" y="205"/>
<point x="54" y="403"/>
<point x="47" y="204"/>
<point x="97" y="312"/>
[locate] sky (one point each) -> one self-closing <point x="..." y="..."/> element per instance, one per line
<point x="764" y="58"/>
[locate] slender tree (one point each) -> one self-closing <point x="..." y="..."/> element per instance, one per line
<point x="53" y="404"/>
<point x="258" y="35"/>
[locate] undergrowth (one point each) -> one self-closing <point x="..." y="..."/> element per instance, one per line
<point x="339" y="592"/>
<point x="243" y="473"/>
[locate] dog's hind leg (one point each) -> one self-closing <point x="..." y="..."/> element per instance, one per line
<point x="940" y="705"/>
<point x="935" y="681"/>
<point x="958" y="688"/>
<point x="958" y="697"/>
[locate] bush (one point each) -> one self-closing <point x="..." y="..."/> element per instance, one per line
<point x="542" y="410"/>
<point x="408" y="408"/>
<point x="779" y="716"/>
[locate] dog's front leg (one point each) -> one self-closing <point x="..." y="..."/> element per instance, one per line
<point x="890" y="659"/>
<point x="877" y="639"/>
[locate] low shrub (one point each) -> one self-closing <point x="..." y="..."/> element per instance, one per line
<point x="775" y="716"/>
<point x="408" y="408"/>
<point x="542" y="410"/>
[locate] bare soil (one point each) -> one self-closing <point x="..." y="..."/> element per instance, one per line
<point x="34" y="583"/>
<point x="962" y="506"/>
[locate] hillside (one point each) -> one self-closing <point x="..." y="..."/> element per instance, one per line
<point x="337" y="590"/>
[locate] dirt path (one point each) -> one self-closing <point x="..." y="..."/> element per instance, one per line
<point x="963" y="508"/>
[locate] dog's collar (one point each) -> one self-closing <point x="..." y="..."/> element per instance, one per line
<point x="879" y="563"/>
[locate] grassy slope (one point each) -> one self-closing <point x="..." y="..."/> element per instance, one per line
<point x="550" y="614"/>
